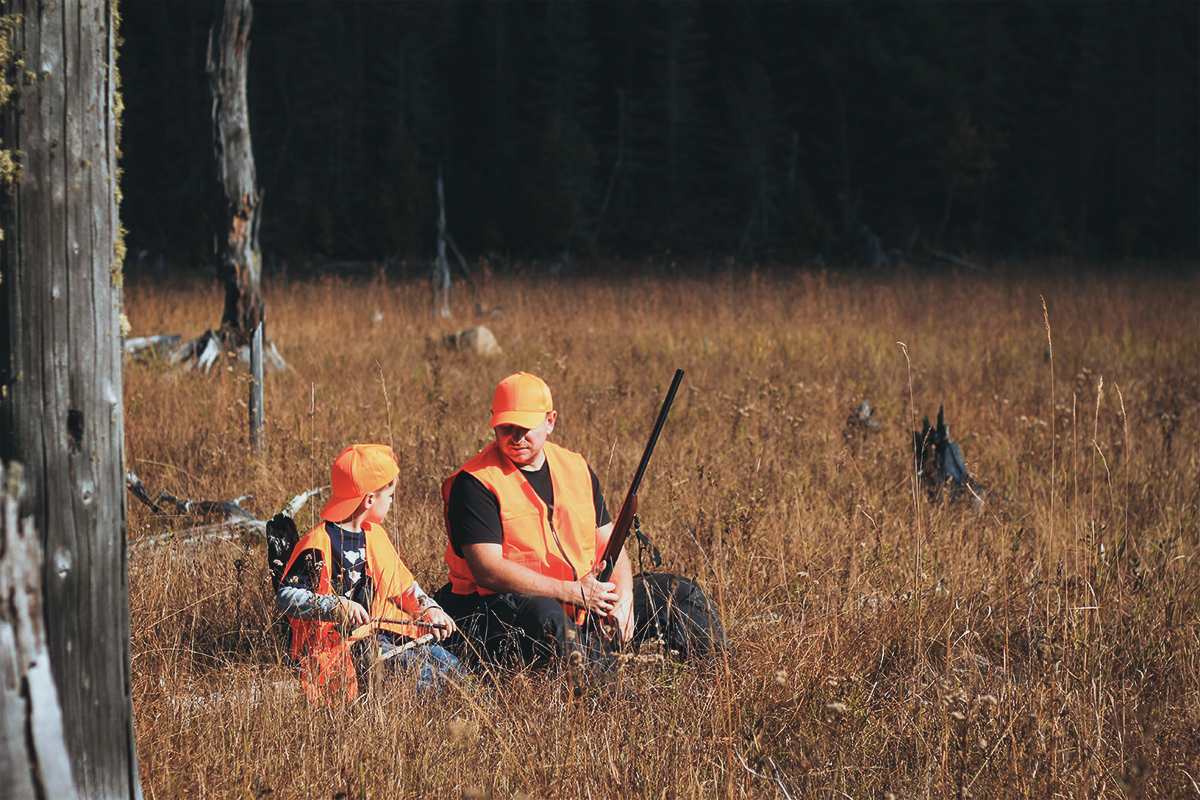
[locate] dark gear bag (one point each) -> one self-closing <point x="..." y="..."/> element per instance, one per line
<point x="676" y="612"/>
<point x="282" y="538"/>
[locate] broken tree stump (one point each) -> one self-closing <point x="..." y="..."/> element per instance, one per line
<point x="33" y="754"/>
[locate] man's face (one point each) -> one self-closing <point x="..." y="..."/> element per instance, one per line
<point x="523" y="446"/>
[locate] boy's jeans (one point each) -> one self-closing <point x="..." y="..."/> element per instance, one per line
<point x="431" y="664"/>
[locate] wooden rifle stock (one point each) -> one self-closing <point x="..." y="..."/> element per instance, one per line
<point x="624" y="522"/>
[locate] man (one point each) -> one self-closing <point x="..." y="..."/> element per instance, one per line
<point x="527" y="527"/>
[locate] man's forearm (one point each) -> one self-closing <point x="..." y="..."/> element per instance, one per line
<point x="623" y="577"/>
<point x="495" y="573"/>
<point x="503" y="577"/>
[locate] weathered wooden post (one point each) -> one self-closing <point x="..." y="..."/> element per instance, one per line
<point x="256" y="390"/>
<point x="61" y="411"/>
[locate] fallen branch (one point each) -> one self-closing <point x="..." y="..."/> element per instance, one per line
<point x="297" y="502"/>
<point x="158" y="346"/>
<point x="134" y="484"/>
<point x="230" y="509"/>
<point x="203" y="351"/>
<point x="205" y="534"/>
<point x="237" y="520"/>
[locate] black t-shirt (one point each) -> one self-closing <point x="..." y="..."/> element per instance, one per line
<point x="349" y="569"/>
<point x="473" y="511"/>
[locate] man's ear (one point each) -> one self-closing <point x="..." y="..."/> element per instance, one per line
<point x="368" y="501"/>
<point x="551" y="416"/>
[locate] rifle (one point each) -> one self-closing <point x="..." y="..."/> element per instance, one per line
<point x="624" y="521"/>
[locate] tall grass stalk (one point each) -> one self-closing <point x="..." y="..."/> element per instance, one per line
<point x="1053" y="411"/>
<point x="914" y="482"/>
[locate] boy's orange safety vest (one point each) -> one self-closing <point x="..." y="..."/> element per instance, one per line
<point x="326" y="667"/>
<point x="561" y="544"/>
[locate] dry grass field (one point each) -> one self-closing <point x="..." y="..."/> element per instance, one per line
<point x="884" y="643"/>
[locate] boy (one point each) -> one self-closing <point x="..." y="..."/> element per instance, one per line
<point x="345" y="582"/>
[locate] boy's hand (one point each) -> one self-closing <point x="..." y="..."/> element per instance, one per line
<point x="351" y="613"/>
<point x="439" y="617"/>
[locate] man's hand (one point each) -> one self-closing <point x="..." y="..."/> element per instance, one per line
<point x="622" y="577"/>
<point x="598" y="597"/>
<point x="607" y="602"/>
<point x="623" y="614"/>
<point x="351" y="613"/>
<point x="437" y="616"/>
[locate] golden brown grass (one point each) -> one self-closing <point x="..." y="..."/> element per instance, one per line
<point x="882" y="642"/>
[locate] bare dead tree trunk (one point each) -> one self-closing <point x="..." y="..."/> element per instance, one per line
<point x="60" y="365"/>
<point x="440" y="279"/>
<point x="238" y="257"/>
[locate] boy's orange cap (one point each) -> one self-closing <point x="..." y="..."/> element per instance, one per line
<point x="522" y="400"/>
<point x="358" y="471"/>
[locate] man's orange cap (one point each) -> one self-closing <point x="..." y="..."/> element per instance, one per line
<point x="358" y="471"/>
<point x="522" y="400"/>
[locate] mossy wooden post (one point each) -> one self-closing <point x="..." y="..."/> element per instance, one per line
<point x="238" y="258"/>
<point x="61" y="411"/>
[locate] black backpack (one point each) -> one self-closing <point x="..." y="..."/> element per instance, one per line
<point x="282" y="537"/>
<point x="678" y="613"/>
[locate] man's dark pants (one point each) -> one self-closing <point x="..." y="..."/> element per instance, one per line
<point x="515" y="629"/>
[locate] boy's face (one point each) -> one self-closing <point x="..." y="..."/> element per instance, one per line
<point x="380" y="502"/>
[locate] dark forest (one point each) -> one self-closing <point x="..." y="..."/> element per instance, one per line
<point x="773" y="132"/>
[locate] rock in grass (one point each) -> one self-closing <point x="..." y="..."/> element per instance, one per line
<point x="480" y="341"/>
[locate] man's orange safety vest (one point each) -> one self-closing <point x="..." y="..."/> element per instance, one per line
<point x="560" y="542"/>
<point x="326" y="667"/>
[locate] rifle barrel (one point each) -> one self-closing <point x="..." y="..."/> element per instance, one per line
<point x="625" y="518"/>
<point x="658" y="426"/>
